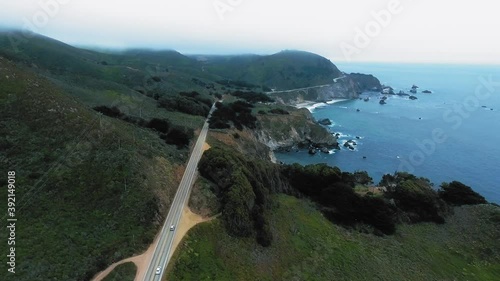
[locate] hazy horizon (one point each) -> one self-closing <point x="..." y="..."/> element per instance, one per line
<point x="366" y="31"/>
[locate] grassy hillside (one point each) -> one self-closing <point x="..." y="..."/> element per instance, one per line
<point x="123" y="272"/>
<point x="84" y="72"/>
<point x="91" y="190"/>
<point x="308" y="247"/>
<point x="284" y="70"/>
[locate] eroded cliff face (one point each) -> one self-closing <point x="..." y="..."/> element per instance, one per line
<point x="296" y="130"/>
<point x="348" y="86"/>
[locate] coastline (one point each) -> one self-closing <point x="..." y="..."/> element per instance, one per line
<point x="311" y="105"/>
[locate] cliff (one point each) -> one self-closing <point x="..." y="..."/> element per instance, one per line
<point x="298" y="129"/>
<point x="348" y="86"/>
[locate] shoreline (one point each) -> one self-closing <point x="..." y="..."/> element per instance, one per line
<point x="311" y="105"/>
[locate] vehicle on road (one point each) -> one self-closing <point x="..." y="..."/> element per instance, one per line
<point x="172" y="227"/>
<point x="158" y="270"/>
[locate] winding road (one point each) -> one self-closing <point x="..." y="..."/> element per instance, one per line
<point x="162" y="252"/>
<point x="335" y="80"/>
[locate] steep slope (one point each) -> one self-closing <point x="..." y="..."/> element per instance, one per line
<point x="284" y="70"/>
<point x="91" y="190"/>
<point x="146" y="71"/>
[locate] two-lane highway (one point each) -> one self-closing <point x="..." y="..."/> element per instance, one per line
<point x="161" y="255"/>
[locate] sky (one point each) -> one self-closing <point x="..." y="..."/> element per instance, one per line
<point x="444" y="31"/>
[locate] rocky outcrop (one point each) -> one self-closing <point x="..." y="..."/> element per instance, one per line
<point x="365" y="82"/>
<point x="325" y="122"/>
<point x="297" y="130"/>
<point x="348" y="86"/>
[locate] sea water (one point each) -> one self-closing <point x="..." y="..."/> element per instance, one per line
<point x="451" y="134"/>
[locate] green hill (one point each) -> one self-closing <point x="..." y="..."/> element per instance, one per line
<point x="307" y="246"/>
<point x="91" y="190"/>
<point x="284" y="70"/>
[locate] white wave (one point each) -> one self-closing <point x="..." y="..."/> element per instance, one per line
<point x="316" y="105"/>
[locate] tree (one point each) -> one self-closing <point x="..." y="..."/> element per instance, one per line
<point x="362" y="177"/>
<point x="457" y="193"/>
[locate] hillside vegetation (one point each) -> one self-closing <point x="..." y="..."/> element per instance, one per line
<point x="91" y="190"/>
<point x="264" y="235"/>
<point x="284" y="70"/>
<point x="308" y="247"/>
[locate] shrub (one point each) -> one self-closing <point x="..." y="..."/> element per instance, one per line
<point x="252" y="97"/>
<point x="159" y="125"/>
<point x="109" y="111"/>
<point x="279" y="111"/>
<point x="419" y="201"/>
<point x="238" y="113"/>
<point x="186" y="104"/>
<point x="457" y="193"/>
<point x="362" y="177"/>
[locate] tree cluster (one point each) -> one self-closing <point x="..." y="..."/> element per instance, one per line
<point x="334" y="190"/>
<point x="243" y="187"/>
<point x="279" y="111"/>
<point x="190" y="103"/>
<point x="457" y="193"/>
<point x="171" y="134"/>
<point x="236" y="84"/>
<point x="415" y="198"/>
<point x="239" y="114"/>
<point x="252" y="97"/>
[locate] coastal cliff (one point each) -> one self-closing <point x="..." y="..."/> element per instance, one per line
<point x="348" y="86"/>
<point x="296" y="130"/>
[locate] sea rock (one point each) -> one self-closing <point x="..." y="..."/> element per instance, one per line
<point x="326" y="122"/>
<point x="427" y="92"/>
<point x="382" y="101"/>
<point x="312" y="151"/>
<point x="413" y="98"/>
<point x="350" y="144"/>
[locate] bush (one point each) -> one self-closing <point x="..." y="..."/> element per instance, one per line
<point x="457" y="193"/>
<point x="186" y="104"/>
<point x="159" y="125"/>
<point x="252" y="97"/>
<point x="244" y="186"/>
<point x="279" y="111"/>
<point x="238" y="113"/>
<point x="419" y="201"/>
<point x="109" y="111"/>
<point x="362" y="177"/>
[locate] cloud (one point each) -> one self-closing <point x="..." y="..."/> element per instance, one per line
<point x="440" y="31"/>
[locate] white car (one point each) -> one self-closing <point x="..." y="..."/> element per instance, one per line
<point x="172" y="227"/>
<point x="158" y="270"/>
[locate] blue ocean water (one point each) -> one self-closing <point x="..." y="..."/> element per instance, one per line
<point x="451" y="134"/>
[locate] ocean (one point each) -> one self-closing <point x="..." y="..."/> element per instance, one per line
<point x="450" y="134"/>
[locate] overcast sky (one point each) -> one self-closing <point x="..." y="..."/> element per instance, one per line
<point x="341" y="30"/>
